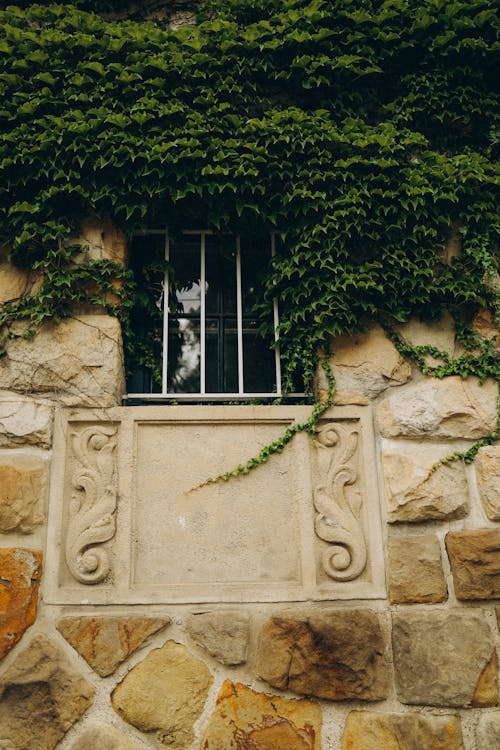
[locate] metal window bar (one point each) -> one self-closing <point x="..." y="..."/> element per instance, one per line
<point x="241" y="394"/>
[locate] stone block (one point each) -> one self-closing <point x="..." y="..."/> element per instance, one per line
<point x="367" y="363"/>
<point x="103" y="240"/>
<point x="415" y="571"/>
<point x="487" y="465"/>
<point x="484" y="323"/>
<point x="488" y="731"/>
<point x="448" y="408"/>
<point x="413" y="731"/>
<point x="440" y="334"/>
<point x="249" y="720"/>
<point x="79" y="361"/>
<point x="23" y="486"/>
<point x="416" y="493"/>
<point x="105" y="642"/>
<point x="223" y="634"/>
<point x="337" y="654"/>
<point x="475" y="563"/>
<point x="165" y="693"/>
<point x="20" y="572"/>
<point x="103" y="737"/>
<point x="444" y="658"/>
<point x="25" y="422"/>
<point x="41" y="697"/>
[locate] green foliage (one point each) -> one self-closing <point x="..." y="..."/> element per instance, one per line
<point x="361" y="130"/>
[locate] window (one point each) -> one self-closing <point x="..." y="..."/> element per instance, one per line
<point x="202" y="325"/>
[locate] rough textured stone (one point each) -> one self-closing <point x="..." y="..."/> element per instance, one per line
<point x="103" y="240"/>
<point x="80" y="360"/>
<point x="369" y="731"/>
<point x="105" y="642"/>
<point x="249" y="720"/>
<point x="415" y="571"/>
<point x="475" y="563"/>
<point x="23" y="481"/>
<point x="224" y="634"/>
<point x="449" y="408"/>
<point x="337" y="654"/>
<point x="25" y="422"/>
<point x="41" y="697"/>
<point x="103" y="737"/>
<point x="487" y="463"/>
<point x="484" y="324"/>
<point x="488" y="731"/>
<point x="414" y="493"/>
<point x="20" y="571"/>
<point x="367" y="363"/>
<point x="444" y="658"/>
<point x="165" y="693"/>
<point x="441" y="335"/>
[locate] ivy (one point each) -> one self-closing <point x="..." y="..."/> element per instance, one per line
<point x="364" y="132"/>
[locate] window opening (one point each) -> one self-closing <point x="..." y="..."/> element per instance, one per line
<point x="202" y="325"/>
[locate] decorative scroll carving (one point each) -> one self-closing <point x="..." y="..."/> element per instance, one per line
<point x="338" y="515"/>
<point x="93" y="503"/>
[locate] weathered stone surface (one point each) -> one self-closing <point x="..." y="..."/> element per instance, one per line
<point x="249" y="720"/>
<point x="20" y="571"/>
<point x="41" y="697"/>
<point x="25" y="422"/>
<point x="367" y="363"/>
<point x="449" y="408"/>
<point x="415" y="571"/>
<point x="80" y="360"/>
<point x="475" y="563"/>
<point x="224" y="634"/>
<point x="165" y="693"/>
<point x="105" y="642"/>
<point x="103" y="240"/>
<point x="487" y="463"/>
<point x="370" y="731"/>
<point x="13" y="281"/>
<point x="414" y="493"/>
<point x="337" y="654"/>
<point x="444" y="658"/>
<point x="484" y="324"/>
<point x="103" y="737"/>
<point x="488" y="731"/>
<point x="440" y="335"/>
<point x="23" y="483"/>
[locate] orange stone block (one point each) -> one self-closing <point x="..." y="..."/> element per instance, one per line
<point x="20" y="572"/>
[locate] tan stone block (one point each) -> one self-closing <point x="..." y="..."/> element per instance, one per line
<point x="20" y="572"/>
<point x="440" y="334"/>
<point x="338" y="654"/>
<point x="103" y="240"/>
<point x="484" y="324"/>
<point x="41" y="697"/>
<point x="416" y="493"/>
<point x="25" y="422"/>
<point x="79" y="360"/>
<point x="223" y="634"/>
<point x="415" y="572"/>
<point x="487" y="464"/>
<point x="475" y="563"/>
<point x="444" y="658"/>
<point x="23" y="484"/>
<point x="105" y="642"/>
<point x="367" y="363"/>
<point x="448" y="408"/>
<point x="165" y="694"/>
<point x="249" y="720"/>
<point x="370" y="731"/>
<point x="488" y="731"/>
<point x="103" y="737"/>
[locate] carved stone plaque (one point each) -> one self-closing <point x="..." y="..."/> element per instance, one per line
<point x="133" y="518"/>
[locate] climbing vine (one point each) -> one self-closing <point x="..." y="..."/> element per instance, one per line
<point x="364" y="132"/>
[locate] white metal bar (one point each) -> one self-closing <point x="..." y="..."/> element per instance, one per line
<point x="202" y="313"/>
<point x="239" y="316"/>
<point x="165" y="318"/>
<point x="276" y="324"/>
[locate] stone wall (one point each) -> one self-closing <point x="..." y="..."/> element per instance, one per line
<point x="412" y="666"/>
